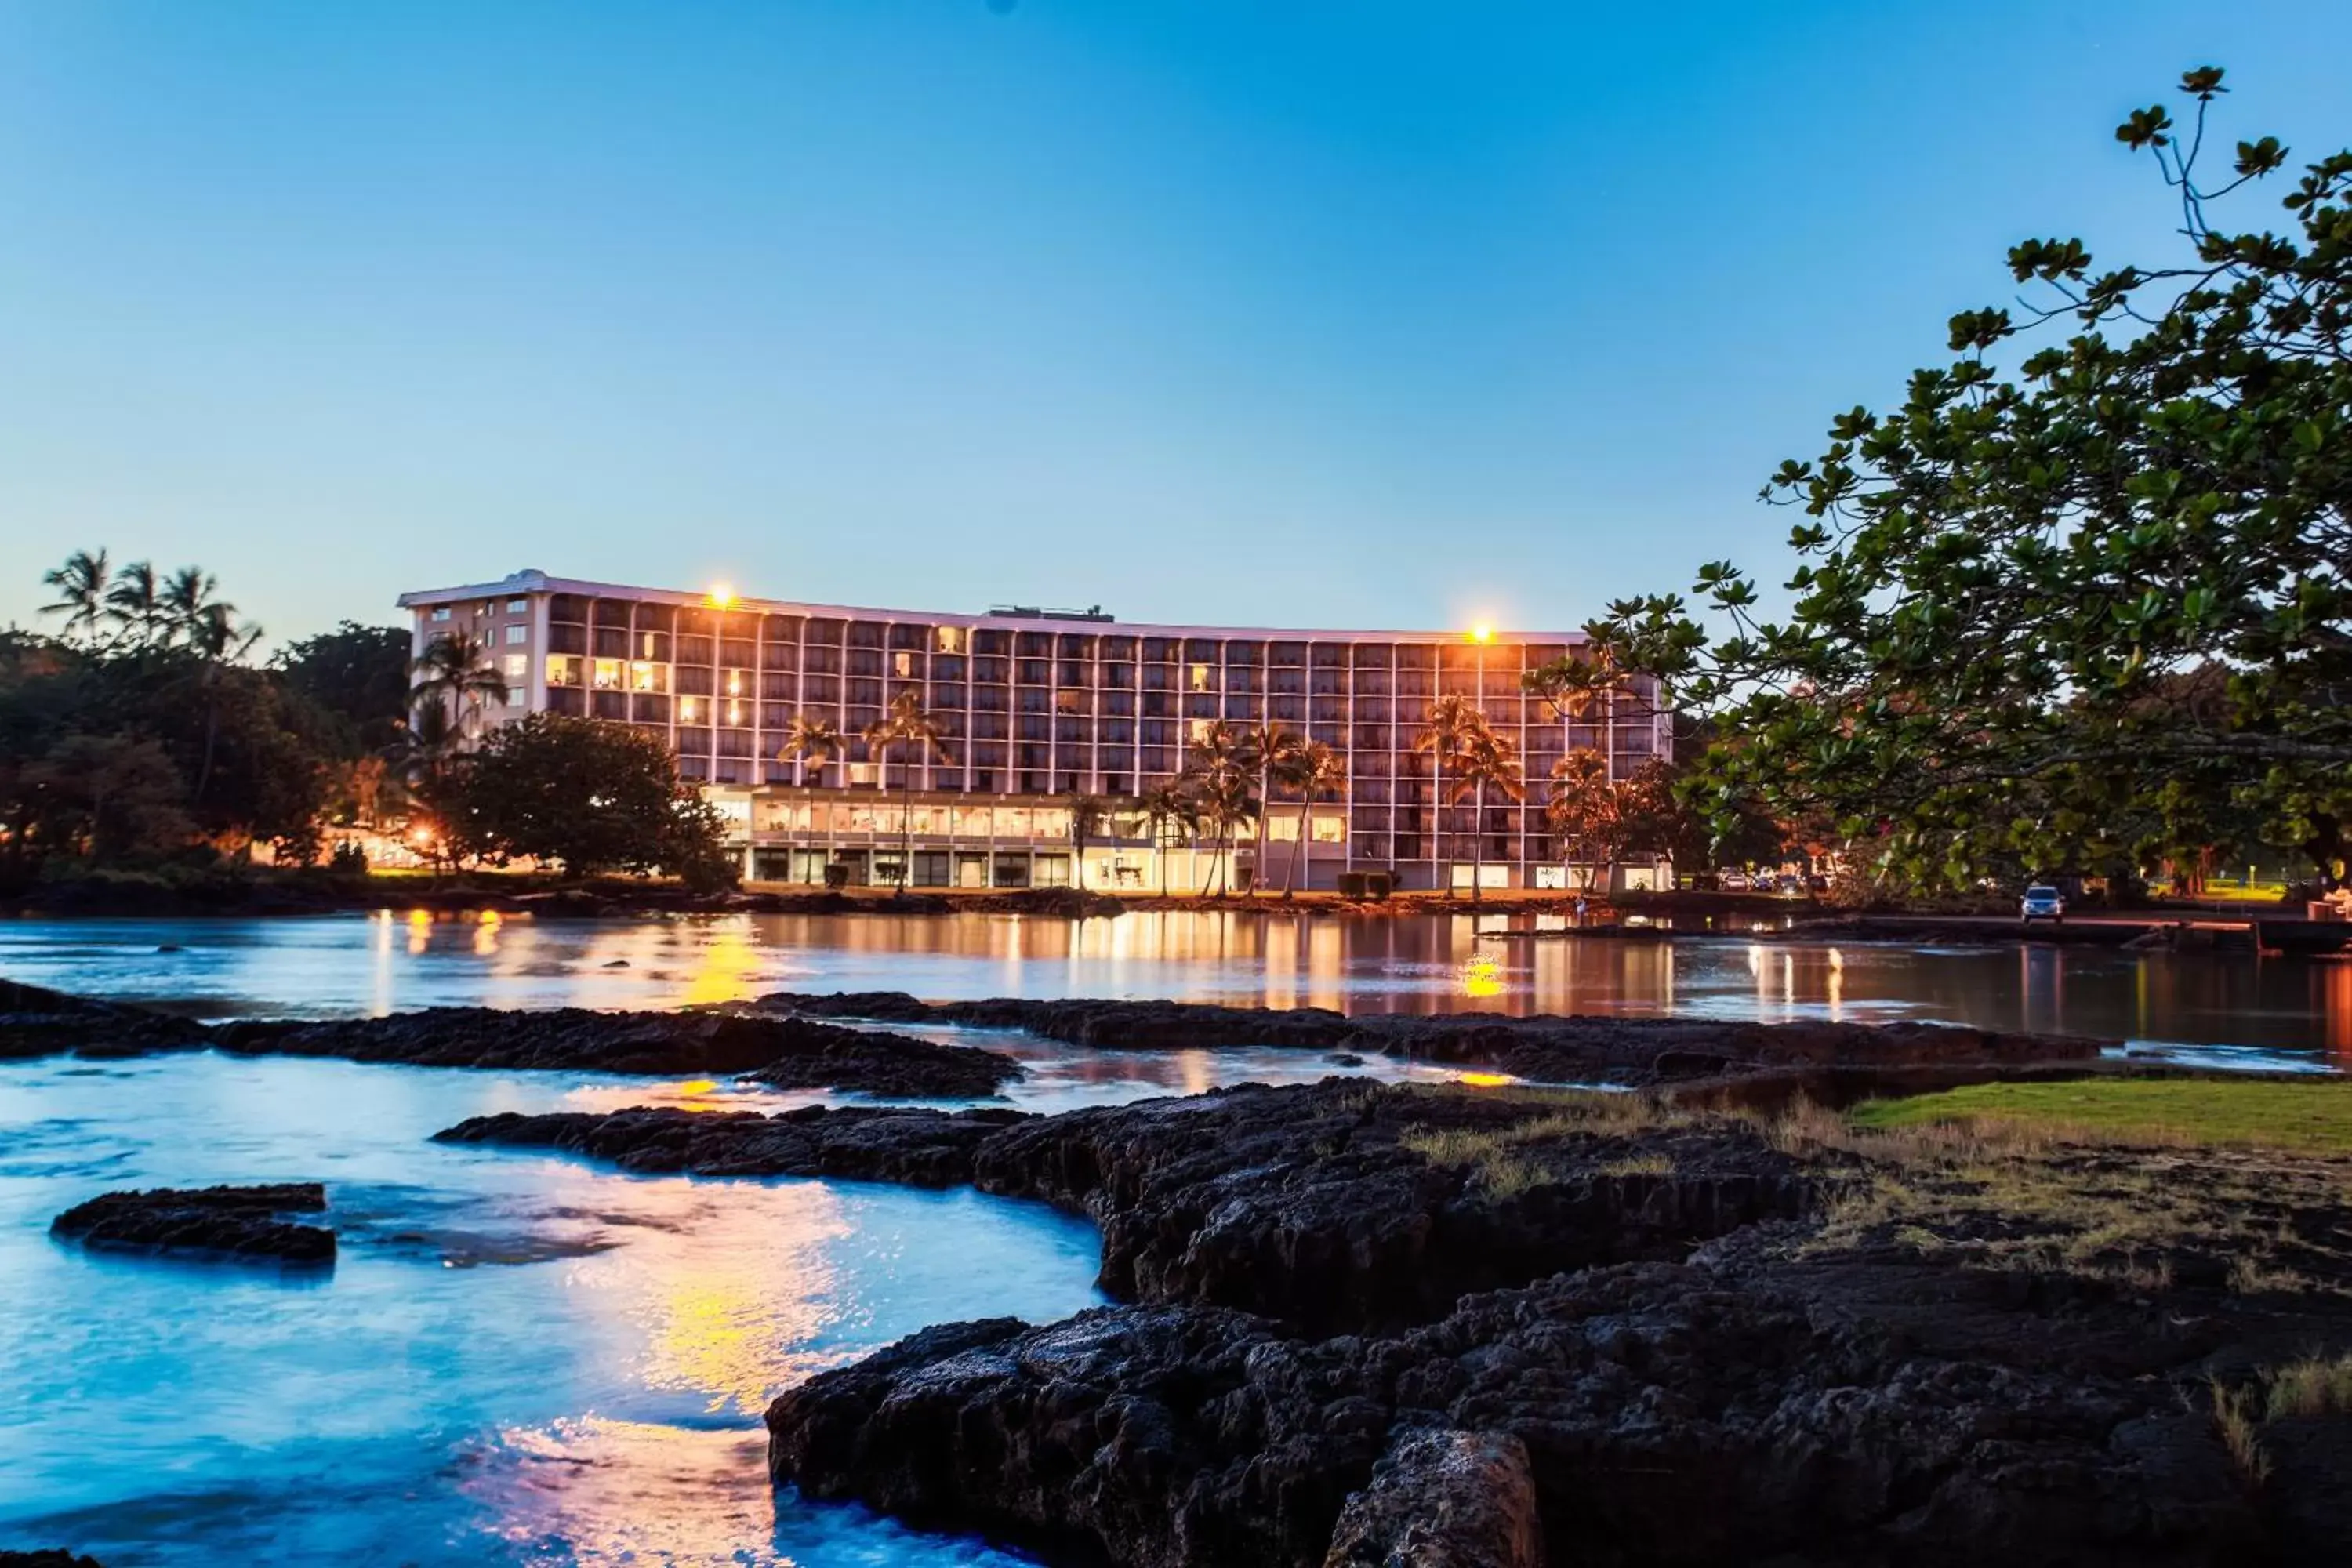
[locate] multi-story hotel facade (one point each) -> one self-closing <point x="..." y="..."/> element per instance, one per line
<point x="1035" y="707"/>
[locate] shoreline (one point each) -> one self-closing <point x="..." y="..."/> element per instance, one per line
<point x="1684" y="916"/>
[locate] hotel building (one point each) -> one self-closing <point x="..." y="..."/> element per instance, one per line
<point x="1035" y="707"/>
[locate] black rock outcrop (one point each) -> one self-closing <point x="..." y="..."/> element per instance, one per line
<point x="221" y="1221"/>
<point x="782" y="1051"/>
<point x="1543" y="1046"/>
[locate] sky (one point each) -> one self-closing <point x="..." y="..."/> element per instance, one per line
<point x="1317" y="313"/>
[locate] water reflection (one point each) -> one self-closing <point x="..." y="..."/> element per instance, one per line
<point x="1401" y="963"/>
<point x="516" y="1360"/>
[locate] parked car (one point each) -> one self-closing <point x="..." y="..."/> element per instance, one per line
<point x="2041" y="902"/>
<point x="1732" y="881"/>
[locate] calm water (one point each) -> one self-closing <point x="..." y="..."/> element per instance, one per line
<point x="521" y="1359"/>
<point x="374" y="964"/>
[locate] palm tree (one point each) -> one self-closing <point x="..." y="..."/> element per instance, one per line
<point x="136" y="603"/>
<point x="1489" y="761"/>
<point x="1315" y="770"/>
<point x="1225" y="803"/>
<point x="904" y="724"/>
<point x="453" y="671"/>
<point x="81" y="585"/>
<point x="811" y="737"/>
<point x="189" y="596"/>
<point x="1168" y="809"/>
<point x="1276" y="751"/>
<point x="218" y="639"/>
<point x="1585" y="811"/>
<point x="1220" y="765"/>
<point x="1086" y="815"/>
<point x="1446" y="733"/>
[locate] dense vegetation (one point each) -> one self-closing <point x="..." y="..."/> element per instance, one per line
<point x="143" y="739"/>
<point x="2091" y="612"/>
<point x="144" y="734"/>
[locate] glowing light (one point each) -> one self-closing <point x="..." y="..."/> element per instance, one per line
<point x="1482" y="977"/>
<point x="1482" y="633"/>
<point x="721" y="596"/>
<point x="1485" y="1079"/>
<point x="698" y="1086"/>
<point x="686" y="709"/>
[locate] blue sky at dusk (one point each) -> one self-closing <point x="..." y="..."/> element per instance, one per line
<point x="1317" y="311"/>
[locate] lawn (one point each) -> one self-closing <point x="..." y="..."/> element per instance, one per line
<point x="2313" y="1116"/>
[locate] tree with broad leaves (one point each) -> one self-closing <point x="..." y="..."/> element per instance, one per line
<point x="2004" y="582"/>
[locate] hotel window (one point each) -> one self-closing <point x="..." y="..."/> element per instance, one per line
<point x="1201" y="677"/>
<point x="734" y="683"/>
<point x="902" y="665"/>
<point x="518" y="668"/>
<point x="608" y="674"/>
<point x="861" y="772"/>
<point x="562" y="669"/>
<point x="951" y="639"/>
<point x="648" y="676"/>
<point x="441" y="612"/>
<point x="735" y="713"/>
<point x="517" y="606"/>
<point x="518" y="634"/>
<point x="687" y="709"/>
<point x="1201" y="730"/>
<point x="1330" y="830"/>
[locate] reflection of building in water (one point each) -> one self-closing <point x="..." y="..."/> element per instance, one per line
<point x="1035" y="707"/>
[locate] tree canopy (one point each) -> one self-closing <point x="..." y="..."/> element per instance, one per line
<point x="591" y="796"/>
<point x="2087" y="611"/>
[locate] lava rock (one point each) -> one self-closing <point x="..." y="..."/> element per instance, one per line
<point x="1543" y="1046"/>
<point x="52" y="1558"/>
<point x="1444" y="1500"/>
<point x="38" y="1022"/>
<point x="791" y="1053"/>
<point x="230" y="1222"/>
<point x="916" y="1147"/>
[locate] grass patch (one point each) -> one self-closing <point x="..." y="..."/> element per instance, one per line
<point x="2313" y="1118"/>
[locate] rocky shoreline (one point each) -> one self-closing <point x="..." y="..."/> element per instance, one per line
<point x="780" y="1051"/>
<point x="1382" y="1324"/>
<point x="1542" y="1047"/>
<point x="241" y="1224"/>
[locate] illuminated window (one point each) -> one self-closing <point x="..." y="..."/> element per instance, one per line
<point x="1069" y="702"/>
<point x="861" y="772"/>
<point x="562" y="669"/>
<point x="1330" y="830"/>
<point x="647" y="676"/>
<point x="441" y="612"/>
<point x="1200" y="731"/>
<point x="734" y="712"/>
<point x="951" y="639"/>
<point x="902" y="665"/>
<point x="518" y="668"/>
<point x="646" y="645"/>
<point x="1282" y="829"/>
<point x="518" y="634"/>
<point x="608" y="675"/>
<point x="686" y="709"/>
<point x="734" y="683"/>
<point x="1200" y="678"/>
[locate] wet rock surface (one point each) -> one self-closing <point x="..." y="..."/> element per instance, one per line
<point x="789" y="1053"/>
<point x="1544" y="1046"/>
<point x="37" y="1021"/>
<point x="1309" y="1203"/>
<point x="1773" y="1353"/>
<point x="243" y="1223"/>
<point x="918" y="1147"/>
<point x="782" y="1051"/>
